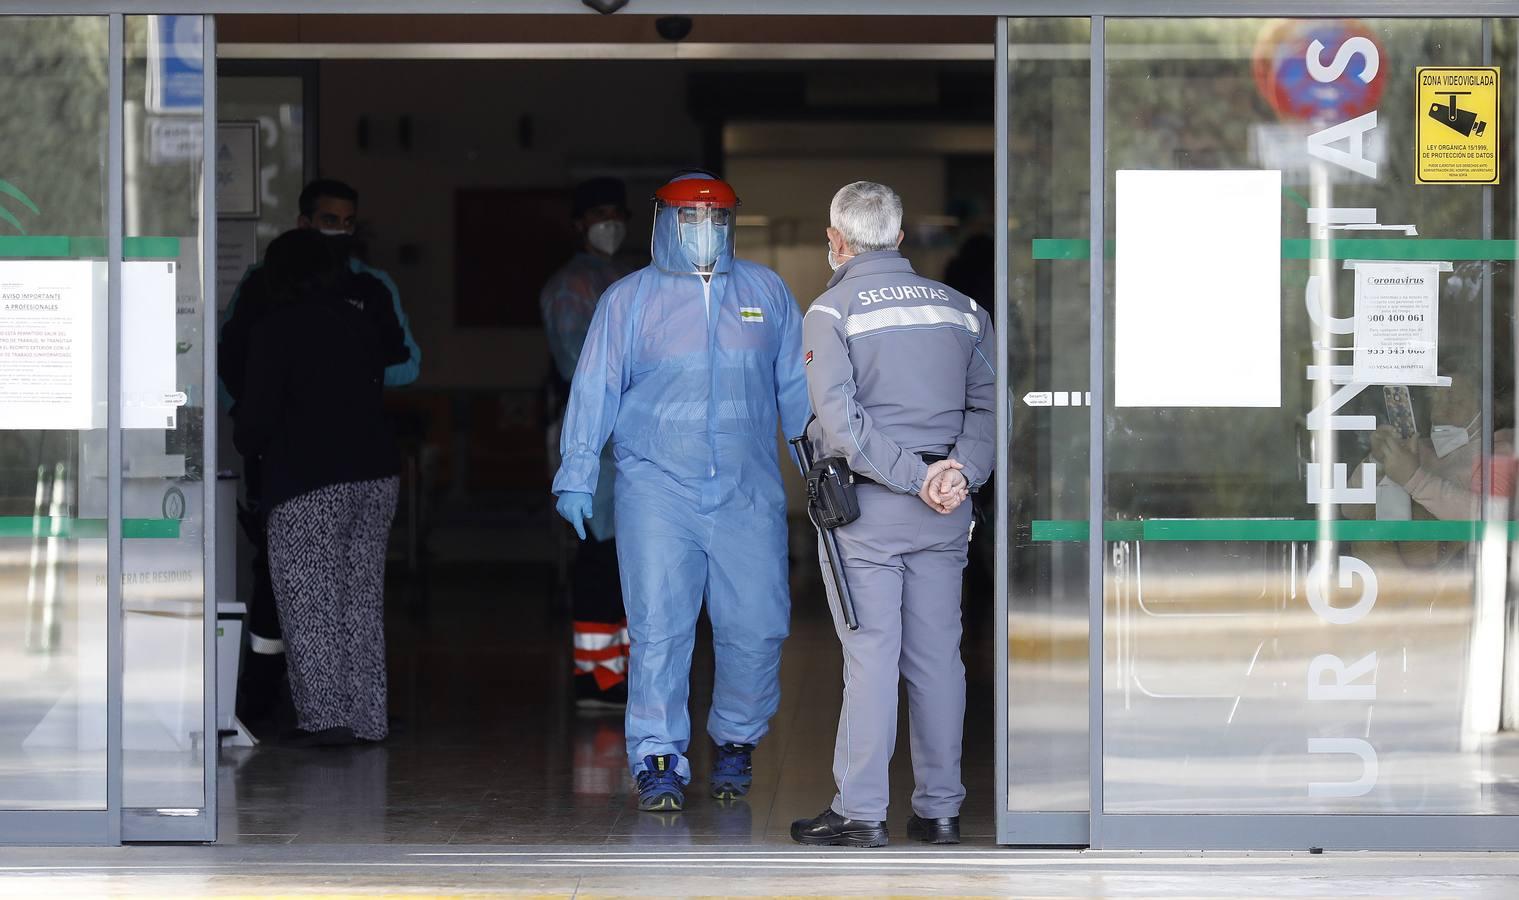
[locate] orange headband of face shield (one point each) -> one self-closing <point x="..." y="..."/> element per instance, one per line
<point x="707" y="192"/>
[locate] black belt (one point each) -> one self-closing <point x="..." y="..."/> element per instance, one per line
<point x="929" y="458"/>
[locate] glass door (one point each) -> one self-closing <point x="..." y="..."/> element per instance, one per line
<point x="55" y="617"/>
<point x="1306" y="433"/>
<point x="1043" y="796"/>
<point x="106" y="693"/>
<point x="169" y="478"/>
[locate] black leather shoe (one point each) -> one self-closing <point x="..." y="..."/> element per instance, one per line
<point x="829" y="829"/>
<point x="934" y="831"/>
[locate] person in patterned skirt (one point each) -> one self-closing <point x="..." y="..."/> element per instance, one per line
<point x="311" y="414"/>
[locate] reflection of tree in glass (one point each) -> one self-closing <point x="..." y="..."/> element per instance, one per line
<point x="15" y="193"/>
<point x="53" y="71"/>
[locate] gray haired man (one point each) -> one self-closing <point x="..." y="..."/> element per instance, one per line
<point x="902" y="384"/>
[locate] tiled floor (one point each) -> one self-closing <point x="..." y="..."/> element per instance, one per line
<point x="495" y="786"/>
<point x="490" y="750"/>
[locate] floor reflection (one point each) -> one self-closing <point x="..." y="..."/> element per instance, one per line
<point x="488" y="748"/>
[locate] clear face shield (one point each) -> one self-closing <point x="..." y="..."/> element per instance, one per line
<point x="704" y="233"/>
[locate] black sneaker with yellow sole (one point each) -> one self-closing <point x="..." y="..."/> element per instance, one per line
<point x="660" y="787"/>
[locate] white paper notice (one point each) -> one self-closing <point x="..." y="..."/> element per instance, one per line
<point x="149" y="358"/>
<point x="53" y="339"/>
<point x="1397" y="319"/>
<point x="47" y="343"/>
<point x="1198" y="277"/>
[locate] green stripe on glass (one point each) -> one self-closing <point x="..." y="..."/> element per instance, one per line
<point x="77" y="529"/>
<point x="1408" y="249"/>
<point x="1397" y="249"/>
<point x="1306" y="530"/>
<point x="1076" y="530"/>
<point x="131" y="247"/>
<point x="1064" y="248"/>
<point x="36" y="247"/>
<point x="1294" y="530"/>
<point x="59" y="247"/>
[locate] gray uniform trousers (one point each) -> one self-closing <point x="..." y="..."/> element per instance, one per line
<point x="904" y="563"/>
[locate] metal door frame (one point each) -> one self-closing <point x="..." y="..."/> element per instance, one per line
<point x="150" y="824"/>
<point x="116" y="823"/>
<point x="1229" y="9"/>
<point x="1096" y="829"/>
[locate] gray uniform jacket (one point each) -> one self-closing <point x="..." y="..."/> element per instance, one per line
<point x="897" y="365"/>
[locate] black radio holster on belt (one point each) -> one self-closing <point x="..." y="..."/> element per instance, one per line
<point x="830" y="503"/>
<point x="830" y="493"/>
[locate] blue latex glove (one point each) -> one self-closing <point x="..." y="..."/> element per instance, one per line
<point x="575" y="507"/>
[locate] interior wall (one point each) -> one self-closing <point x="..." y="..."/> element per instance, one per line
<point x="791" y="196"/>
<point x="487" y="124"/>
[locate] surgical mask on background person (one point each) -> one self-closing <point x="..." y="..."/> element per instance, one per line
<point x="703" y="242"/>
<point x="835" y="260"/>
<point x="607" y="237"/>
<point x="1447" y="439"/>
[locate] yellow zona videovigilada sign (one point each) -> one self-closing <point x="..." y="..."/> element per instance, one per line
<point x="1456" y="125"/>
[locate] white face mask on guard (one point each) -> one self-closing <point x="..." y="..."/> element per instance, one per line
<point x="1447" y="439"/>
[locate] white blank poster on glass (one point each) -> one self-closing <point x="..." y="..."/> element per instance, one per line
<point x="1197" y="319"/>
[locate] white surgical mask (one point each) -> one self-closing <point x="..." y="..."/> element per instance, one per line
<point x="703" y="242"/>
<point x="1447" y="439"/>
<point x="835" y="260"/>
<point x="607" y="237"/>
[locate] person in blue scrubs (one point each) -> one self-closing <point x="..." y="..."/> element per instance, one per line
<point x="568" y="301"/>
<point x="689" y="366"/>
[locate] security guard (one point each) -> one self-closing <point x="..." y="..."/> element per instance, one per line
<point x="902" y="384"/>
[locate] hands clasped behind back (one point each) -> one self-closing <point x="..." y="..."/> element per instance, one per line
<point x="944" y="487"/>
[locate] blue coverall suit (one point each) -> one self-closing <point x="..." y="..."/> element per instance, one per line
<point x="686" y="377"/>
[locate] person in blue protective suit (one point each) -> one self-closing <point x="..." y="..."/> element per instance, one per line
<point x="568" y="301"/>
<point x="687" y="366"/>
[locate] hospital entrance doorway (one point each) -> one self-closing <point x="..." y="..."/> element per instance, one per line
<point x="464" y="138"/>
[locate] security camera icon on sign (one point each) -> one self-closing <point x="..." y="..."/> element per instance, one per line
<point x="1462" y="121"/>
